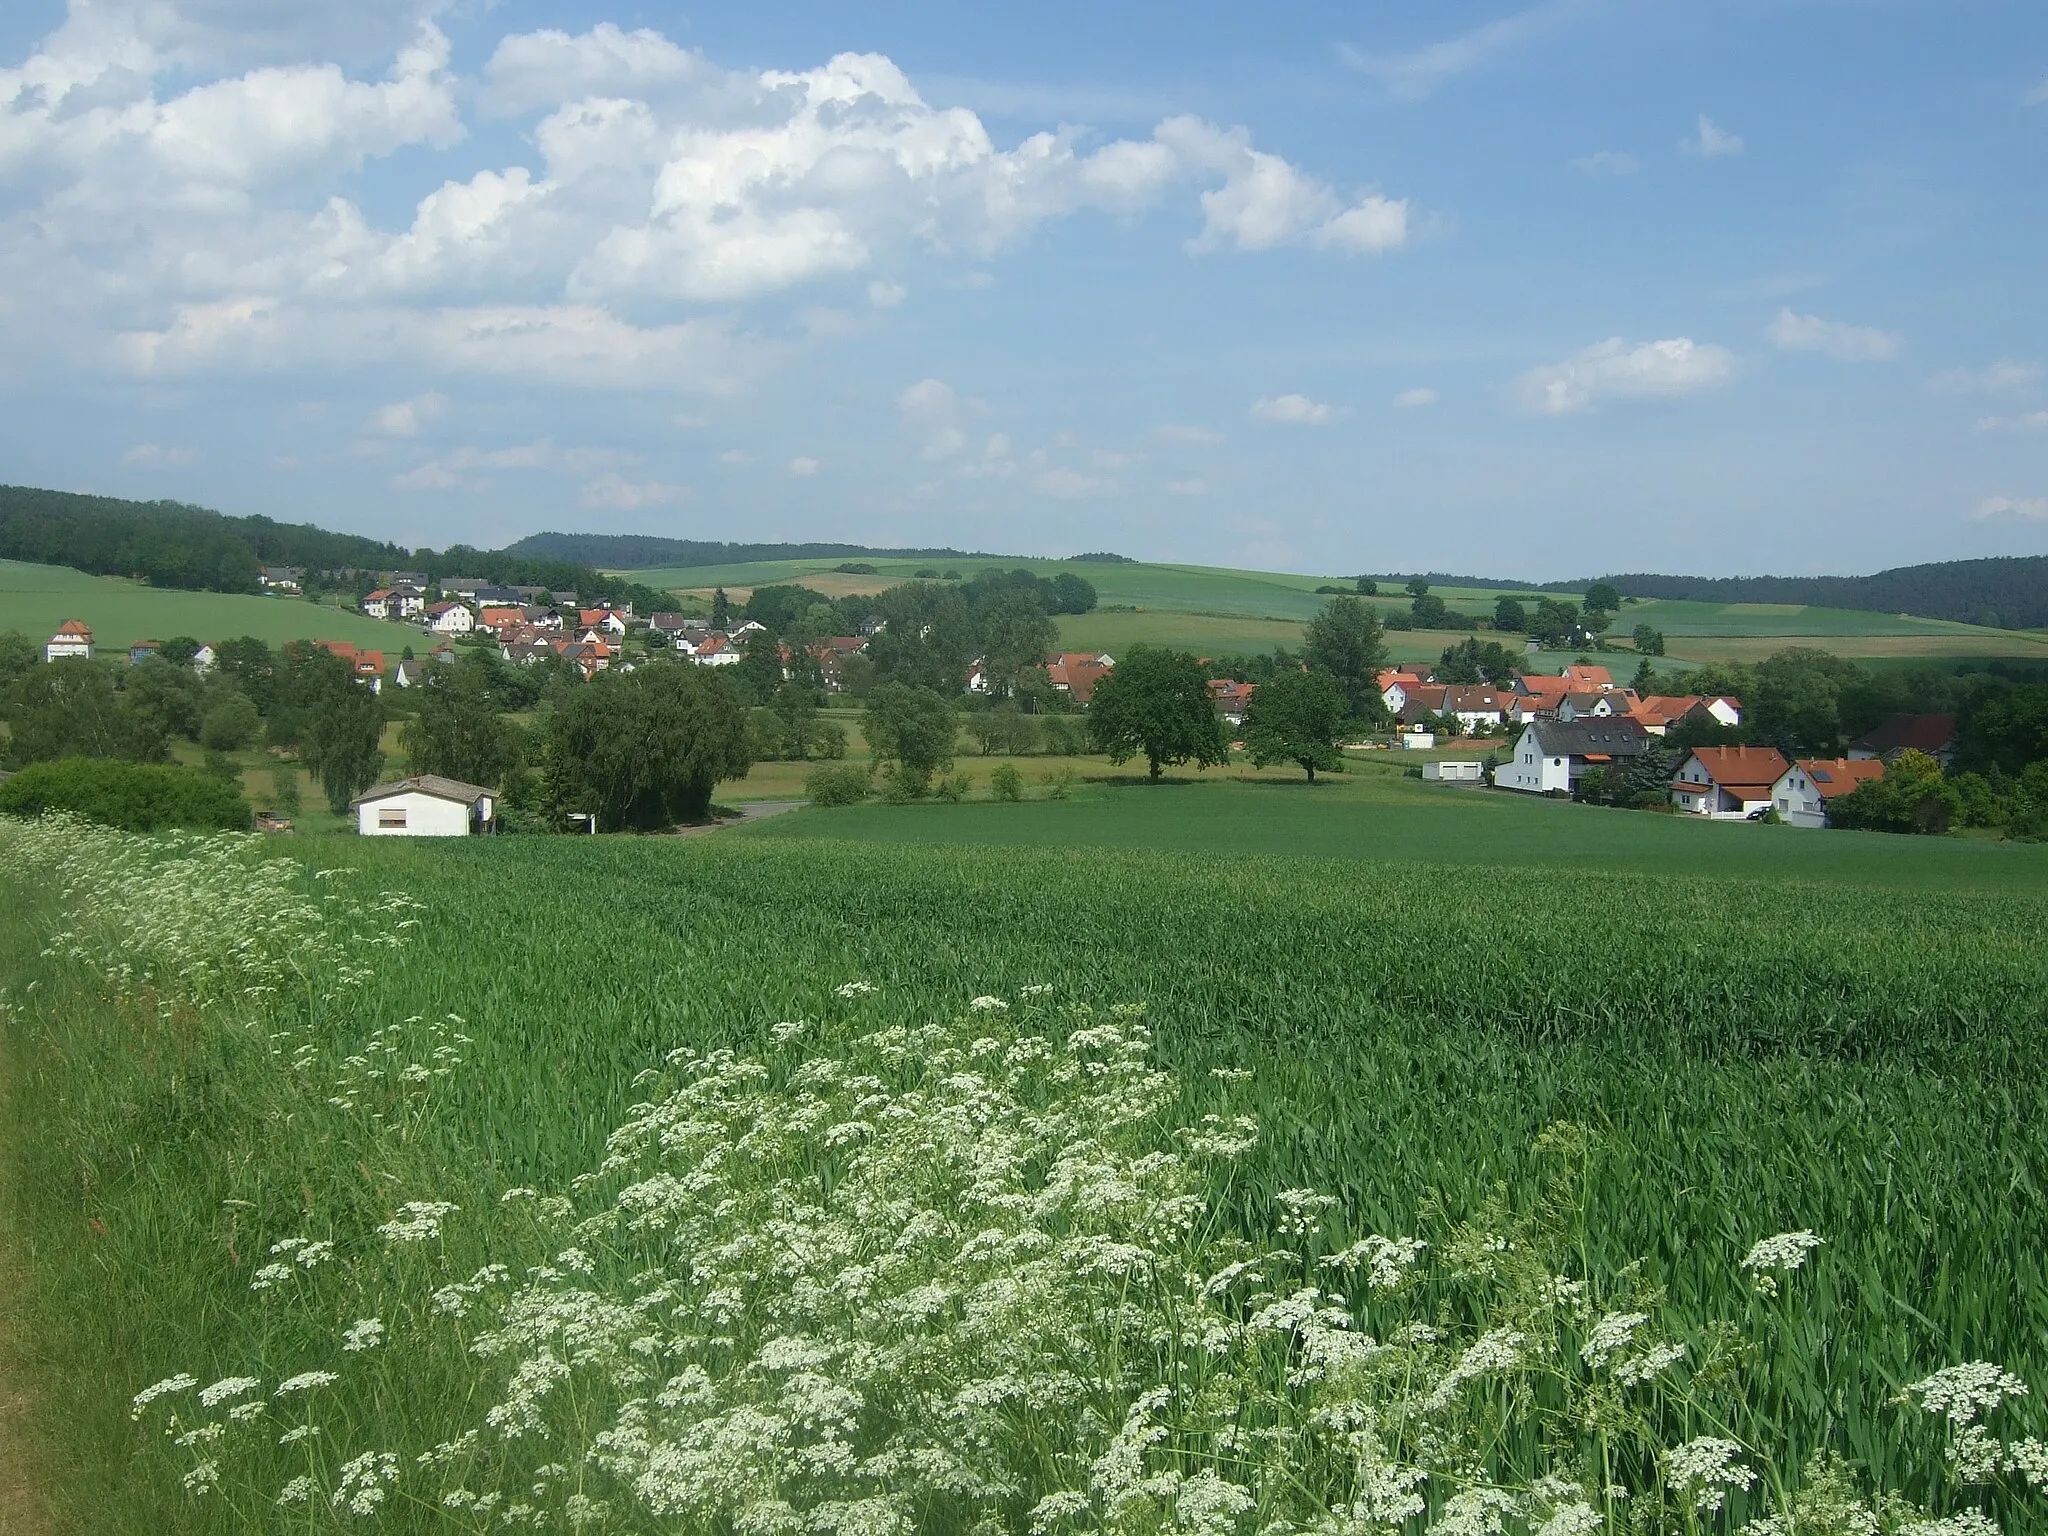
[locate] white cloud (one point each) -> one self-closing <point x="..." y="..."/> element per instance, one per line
<point x="885" y="295"/>
<point x="1184" y="434"/>
<point x="536" y="70"/>
<point x="1845" y="343"/>
<point x="804" y="468"/>
<point x="1264" y="201"/>
<point x="2024" y="509"/>
<point x="1710" y="141"/>
<point x="1193" y="485"/>
<point x="1607" y="162"/>
<point x="1415" y="75"/>
<point x="2027" y="421"/>
<point x="615" y="493"/>
<point x="435" y="476"/>
<point x="1615" y="370"/>
<point x="2002" y="377"/>
<point x="1408" y="399"/>
<point x="405" y="418"/>
<point x="933" y="412"/>
<point x="735" y="457"/>
<point x="159" y="456"/>
<point x="1296" y="409"/>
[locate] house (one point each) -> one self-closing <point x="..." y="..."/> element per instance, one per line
<point x="607" y="621"/>
<point x="73" y="639"/>
<point x="1075" y="673"/>
<point x="280" y="578"/>
<point x="426" y="806"/>
<point x="1804" y="791"/>
<point x="368" y="666"/>
<point x="380" y="604"/>
<point x="414" y="579"/>
<point x="1933" y="734"/>
<point x="745" y="630"/>
<point x="448" y="618"/>
<point x="1551" y="756"/>
<point x="1659" y="711"/>
<point x="589" y="657"/>
<point x="1543" y="694"/>
<point x="463" y="587"/>
<point x="714" y="650"/>
<point x="1422" y="702"/>
<point x="1588" y="679"/>
<point x="668" y="626"/>
<point x="1394" y="684"/>
<point x="408" y="674"/>
<point x="204" y="658"/>
<point x="1477" y="706"/>
<point x="1579" y="705"/>
<point x="142" y="650"/>
<point x="1728" y="782"/>
<point x="1231" y="698"/>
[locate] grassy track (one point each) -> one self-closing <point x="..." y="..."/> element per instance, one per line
<point x="37" y="598"/>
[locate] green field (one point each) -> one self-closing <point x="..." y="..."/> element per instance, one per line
<point x="1754" y="1031"/>
<point x="35" y="599"/>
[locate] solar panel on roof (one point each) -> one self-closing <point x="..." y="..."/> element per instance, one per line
<point x="1822" y="776"/>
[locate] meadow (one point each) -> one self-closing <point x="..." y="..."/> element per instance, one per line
<point x="1628" y="1070"/>
<point x="35" y="599"/>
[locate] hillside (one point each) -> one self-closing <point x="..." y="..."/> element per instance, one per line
<point x="35" y="599"/>
<point x="2006" y="593"/>
<point x="633" y="551"/>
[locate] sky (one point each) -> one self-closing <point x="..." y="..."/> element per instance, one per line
<point x="1703" y="286"/>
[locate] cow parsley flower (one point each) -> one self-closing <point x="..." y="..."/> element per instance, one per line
<point x="225" y="1388"/>
<point x="1611" y="1333"/>
<point x="1778" y="1255"/>
<point x="306" y="1381"/>
<point x="419" y="1223"/>
<point x="1966" y="1392"/>
<point x="365" y="1333"/>
<point x="1706" y="1470"/>
<point x="360" y="1488"/>
<point x="178" y="1383"/>
<point x="1969" y="1524"/>
<point x="988" y="1005"/>
<point x="853" y="989"/>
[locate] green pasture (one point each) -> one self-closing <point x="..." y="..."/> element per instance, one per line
<point x="1761" y="1030"/>
<point x="35" y="599"/>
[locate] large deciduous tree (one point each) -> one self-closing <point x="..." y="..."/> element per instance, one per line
<point x="1156" y="702"/>
<point x="643" y="750"/>
<point x="70" y="708"/>
<point x="927" y="638"/>
<point x="461" y="730"/>
<point x="1295" y="718"/>
<point x="340" y="724"/>
<point x="913" y="728"/>
<point x="1346" y="641"/>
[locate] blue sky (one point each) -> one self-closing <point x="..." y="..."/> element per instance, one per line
<point x="1588" y="285"/>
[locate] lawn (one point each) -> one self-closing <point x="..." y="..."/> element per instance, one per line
<point x="35" y="599"/>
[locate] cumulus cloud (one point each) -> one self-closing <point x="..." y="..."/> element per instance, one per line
<point x="1846" y="343"/>
<point x="405" y="418"/>
<point x="159" y="456"/>
<point x="656" y="185"/>
<point x="1606" y="163"/>
<point x="1616" y="370"/>
<point x="933" y="412"/>
<point x="1710" y="141"/>
<point x="1297" y="410"/>
<point x="1409" y="399"/>
<point x="613" y="492"/>
<point x="2002" y="377"/>
<point x="2022" y="509"/>
<point x="804" y="468"/>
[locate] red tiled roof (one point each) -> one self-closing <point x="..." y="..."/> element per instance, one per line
<point x="1919" y="733"/>
<point x="1834" y="776"/>
<point x="1742" y="767"/>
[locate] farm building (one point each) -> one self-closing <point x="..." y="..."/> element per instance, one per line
<point x="1806" y="789"/>
<point x="1727" y="781"/>
<point x="1551" y="756"/>
<point x="1455" y="771"/>
<point x="73" y="638"/>
<point x="426" y="806"/>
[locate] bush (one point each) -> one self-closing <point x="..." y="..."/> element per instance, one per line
<point x="1059" y="783"/>
<point x="842" y="785"/>
<point x="231" y="724"/>
<point x="137" y="797"/>
<point x="953" y="789"/>
<point x="1065" y="736"/>
<point x="1007" y="782"/>
<point x="829" y="741"/>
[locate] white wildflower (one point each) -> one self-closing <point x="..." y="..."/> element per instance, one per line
<point x="1578" y="1519"/>
<point x="306" y="1381"/>
<point x="178" y="1383"/>
<point x="1055" y="1509"/>
<point x="988" y="1005"/>
<point x="225" y="1388"/>
<point x="361" y="1485"/>
<point x="1778" y="1255"/>
<point x="1476" y="1512"/>
<point x="419" y="1222"/>
<point x="203" y="1479"/>
<point x="365" y="1333"/>
<point x="297" y="1491"/>
<point x="1706" y="1470"/>
<point x="1036" y="989"/>
<point x="853" y="989"/>
<point x="1966" y="1392"/>
<point x="1970" y="1524"/>
<point x="1498" y="1350"/>
<point x="1613" y="1332"/>
<point x="297" y="1433"/>
<point x="1652" y="1362"/>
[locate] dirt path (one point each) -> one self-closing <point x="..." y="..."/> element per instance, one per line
<point x="750" y="810"/>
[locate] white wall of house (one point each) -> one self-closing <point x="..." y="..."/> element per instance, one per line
<point x="1532" y="772"/>
<point x="1701" y="800"/>
<point x="456" y="621"/>
<point x="413" y="813"/>
<point x="1798" y="800"/>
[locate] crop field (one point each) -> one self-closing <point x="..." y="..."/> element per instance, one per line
<point x="244" y="1148"/>
<point x="35" y="599"/>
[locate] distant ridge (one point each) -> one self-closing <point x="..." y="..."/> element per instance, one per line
<point x="2009" y="592"/>
<point x="639" y="552"/>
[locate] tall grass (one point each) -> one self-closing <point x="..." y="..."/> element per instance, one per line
<point x="1864" y="1072"/>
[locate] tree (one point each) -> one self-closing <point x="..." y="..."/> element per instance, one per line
<point x="1649" y="641"/>
<point x="1346" y="641"/>
<point x="1015" y="634"/>
<point x="284" y="780"/>
<point x="18" y="654"/>
<point x="1509" y="615"/>
<point x="1417" y="586"/>
<point x="140" y="797"/>
<point x="461" y="731"/>
<point x="340" y="730"/>
<point x="1911" y="797"/>
<point x="721" y="609"/>
<point x="1072" y="594"/>
<point x="644" y="749"/>
<point x="927" y="639"/>
<point x="1156" y="702"/>
<point x="760" y="668"/>
<point x="70" y="708"/>
<point x="2005" y="729"/>
<point x="1295" y="718"/>
<point x="231" y="723"/>
<point x="1429" y="611"/>
<point x="1367" y="587"/>
<point x="1554" y="624"/>
<point x="796" y="711"/>
<point x="1470" y="661"/>
<point x="914" y="728"/>
<point x="1794" y="699"/>
<point x="1645" y="678"/>
<point x="1602" y="597"/>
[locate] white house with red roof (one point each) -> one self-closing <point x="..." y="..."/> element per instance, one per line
<point x="72" y="640"/>
<point x="1804" y="791"/>
<point x="450" y="618"/>
<point x="1727" y="782"/>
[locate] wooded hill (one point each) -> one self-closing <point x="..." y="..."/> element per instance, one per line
<point x="2006" y="593"/>
<point x="640" y="552"/>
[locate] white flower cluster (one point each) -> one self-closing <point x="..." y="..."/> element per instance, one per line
<point x="418" y="1221"/>
<point x="1706" y="1470"/>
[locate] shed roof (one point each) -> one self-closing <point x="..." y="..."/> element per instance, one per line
<point x="431" y="784"/>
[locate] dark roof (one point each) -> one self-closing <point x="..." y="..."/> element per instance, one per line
<point x="1608" y="736"/>
<point x="1922" y="733"/>
<point x="426" y="784"/>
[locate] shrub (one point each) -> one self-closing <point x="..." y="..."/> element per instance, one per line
<point x="841" y="785"/>
<point x="1007" y="782"/>
<point x="953" y="788"/>
<point x="231" y="724"/>
<point x="139" y="797"/>
<point x="1059" y="783"/>
<point x="1065" y="736"/>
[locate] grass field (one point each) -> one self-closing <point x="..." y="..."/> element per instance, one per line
<point x="35" y="599"/>
<point x="1849" y="1047"/>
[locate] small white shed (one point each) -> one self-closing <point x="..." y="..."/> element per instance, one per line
<point x="426" y="806"/>
<point x="1455" y="771"/>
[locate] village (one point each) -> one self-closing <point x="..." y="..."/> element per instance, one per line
<point x="1567" y="736"/>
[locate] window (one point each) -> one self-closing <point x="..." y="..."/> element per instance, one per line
<point x="1784" y="803"/>
<point x="391" y="816"/>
